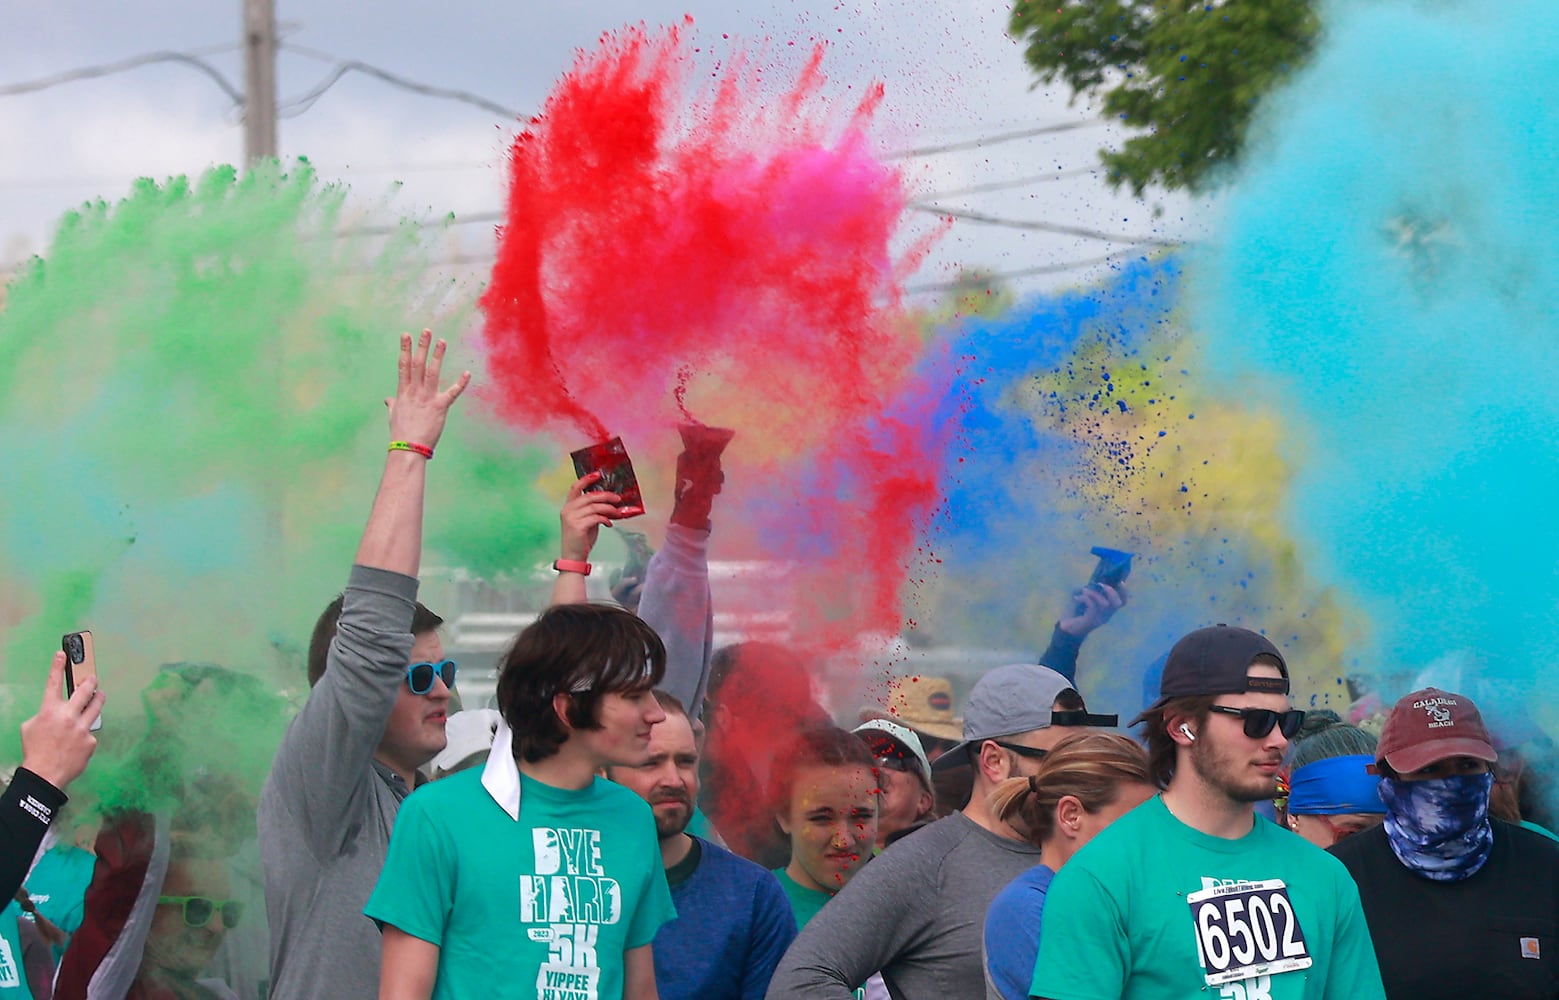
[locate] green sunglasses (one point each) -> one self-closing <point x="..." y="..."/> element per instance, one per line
<point x="198" y="909"/>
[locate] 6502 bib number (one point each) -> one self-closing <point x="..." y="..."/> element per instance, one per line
<point x="1247" y="929"/>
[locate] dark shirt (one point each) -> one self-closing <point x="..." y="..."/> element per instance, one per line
<point x="25" y="811"/>
<point x="1494" y="934"/>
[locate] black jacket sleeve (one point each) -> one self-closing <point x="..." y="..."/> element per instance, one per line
<point x="1061" y="655"/>
<point x="26" y="809"/>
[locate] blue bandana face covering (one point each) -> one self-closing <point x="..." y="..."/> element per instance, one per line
<point x="1440" y="828"/>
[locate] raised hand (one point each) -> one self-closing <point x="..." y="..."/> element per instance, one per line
<point x="58" y="741"/>
<point x="583" y="514"/>
<point x="419" y="408"/>
<point x="1091" y="607"/>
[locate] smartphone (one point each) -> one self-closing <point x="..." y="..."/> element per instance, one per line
<point x="611" y="460"/>
<point x="80" y="663"/>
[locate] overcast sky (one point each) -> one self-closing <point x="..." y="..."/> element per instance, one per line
<point x="951" y="72"/>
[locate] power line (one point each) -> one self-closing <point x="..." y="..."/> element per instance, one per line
<point x="1026" y="272"/>
<point x="389" y="229"/>
<point x="190" y="59"/>
<point x="298" y="105"/>
<point x="1017" y="182"/>
<point x="994" y="140"/>
<point x="1046" y="227"/>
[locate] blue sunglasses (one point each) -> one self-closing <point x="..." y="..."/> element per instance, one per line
<point x="419" y="676"/>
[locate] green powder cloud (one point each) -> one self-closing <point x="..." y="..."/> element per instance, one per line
<point x="191" y="405"/>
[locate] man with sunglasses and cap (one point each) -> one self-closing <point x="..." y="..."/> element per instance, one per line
<point x="917" y="911"/>
<point x="1192" y="893"/>
<point x="1459" y="904"/>
<point x="375" y="714"/>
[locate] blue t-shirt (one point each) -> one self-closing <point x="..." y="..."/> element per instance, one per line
<point x="1012" y="932"/>
<point x="733" y="924"/>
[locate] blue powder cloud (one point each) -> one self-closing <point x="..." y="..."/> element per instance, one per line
<point x="1386" y="277"/>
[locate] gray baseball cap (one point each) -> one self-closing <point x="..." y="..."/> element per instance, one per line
<point x="1008" y="700"/>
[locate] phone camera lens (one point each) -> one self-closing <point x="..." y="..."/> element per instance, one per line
<point x="74" y="649"/>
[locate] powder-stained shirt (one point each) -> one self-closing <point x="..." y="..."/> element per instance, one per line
<point x="915" y="912"/>
<point x="542" y="907"/>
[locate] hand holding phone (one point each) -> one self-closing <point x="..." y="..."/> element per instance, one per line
<point x="80" y="664"/>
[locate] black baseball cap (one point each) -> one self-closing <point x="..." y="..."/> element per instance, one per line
<point x="1216" y="660"/>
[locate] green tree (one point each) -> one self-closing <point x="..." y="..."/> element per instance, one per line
<point x="1188" y="73"/>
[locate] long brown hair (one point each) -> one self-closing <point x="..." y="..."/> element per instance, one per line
<point x="1090" y="767"/>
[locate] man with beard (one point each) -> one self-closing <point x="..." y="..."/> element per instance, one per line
<point x="733" y="922"/>
<point x="1191" y="891"/>
<point x="1459" y="904"/>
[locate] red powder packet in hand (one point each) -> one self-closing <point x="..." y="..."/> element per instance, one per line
<point x="611" y="460"/>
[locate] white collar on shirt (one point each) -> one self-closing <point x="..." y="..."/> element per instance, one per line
<point x="501" y="776"/>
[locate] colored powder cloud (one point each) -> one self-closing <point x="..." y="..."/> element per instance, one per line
<point x="193" y="402"/>
<point x="1385" y="281"/>
<point x="728" y="251"/>
<point x="1087" y="418"/>
<point x="724" y="252"/>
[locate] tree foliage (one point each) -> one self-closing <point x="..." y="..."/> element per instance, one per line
<point x="1188" y="73"/>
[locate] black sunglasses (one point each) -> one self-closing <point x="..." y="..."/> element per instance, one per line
<point x="1033" y="753"/>
<point x="1259" y="721"/>
<point x="890" y="753"/>
<point x="419" y="676"/>
<point x="198" y="909"/>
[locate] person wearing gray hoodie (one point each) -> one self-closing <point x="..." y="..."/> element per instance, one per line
<point x="376" y="712"/>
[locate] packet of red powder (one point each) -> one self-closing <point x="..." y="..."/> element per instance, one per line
<point x="611" y="460"/>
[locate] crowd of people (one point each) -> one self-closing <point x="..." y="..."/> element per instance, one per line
<point x="643" y="815"/>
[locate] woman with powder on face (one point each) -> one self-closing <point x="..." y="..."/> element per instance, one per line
<point x="829" y="811"/>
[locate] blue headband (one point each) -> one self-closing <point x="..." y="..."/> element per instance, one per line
<point x="1335" y="786"/>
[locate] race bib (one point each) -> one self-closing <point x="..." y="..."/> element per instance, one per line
<point x="1247" y="929"/>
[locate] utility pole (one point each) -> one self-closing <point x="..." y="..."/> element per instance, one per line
<point x="259" y="80"/>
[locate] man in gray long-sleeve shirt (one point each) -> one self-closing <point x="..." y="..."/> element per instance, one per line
<point x="915" y="913"/>
<point x="352" y="753"/>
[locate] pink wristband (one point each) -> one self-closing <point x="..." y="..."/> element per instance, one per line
<point x="571" y="566"/>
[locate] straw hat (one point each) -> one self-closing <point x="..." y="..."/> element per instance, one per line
<point x="924" y="704"/>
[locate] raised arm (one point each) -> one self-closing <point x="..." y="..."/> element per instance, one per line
<point x="583" y="515"/>
<point x="676" y="600"/>
<point x="393" y="539"/>
<point x="56" y="745"/>
<point x="320" y="765"/>
<point x="1089" y="607"/>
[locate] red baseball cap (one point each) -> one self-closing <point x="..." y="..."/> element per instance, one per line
<point x="1431" y="725"/>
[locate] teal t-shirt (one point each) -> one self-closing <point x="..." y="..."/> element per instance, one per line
<point x="1118" y="922"/>
<point x="804" y="903"/>
<point x="58" y="885"/>
<point x="699" y="826"/>
<point x="13" y="976"/>
<point x="542" y="908"/>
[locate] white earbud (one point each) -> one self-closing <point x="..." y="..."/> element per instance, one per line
<point x="1188" y="734"/>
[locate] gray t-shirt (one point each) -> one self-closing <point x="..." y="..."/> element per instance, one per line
<point x="327" y="807"/>
<point x="916" y="912"/>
